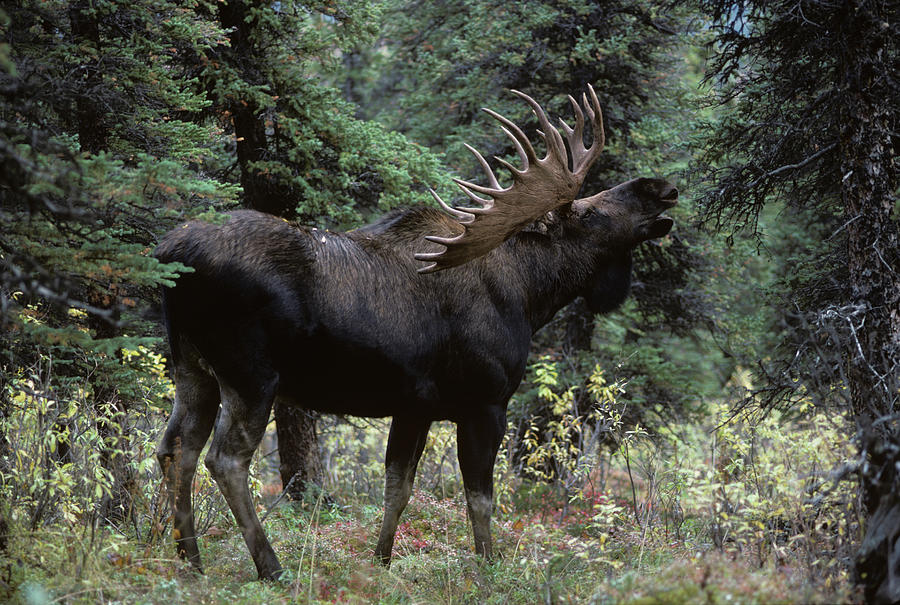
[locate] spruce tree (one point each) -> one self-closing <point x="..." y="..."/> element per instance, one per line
<point x="809" y="91"/>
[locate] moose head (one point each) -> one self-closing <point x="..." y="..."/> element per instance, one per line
<point x="542" y="185"/>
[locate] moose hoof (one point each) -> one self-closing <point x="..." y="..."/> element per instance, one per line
<point x="383" y="560"/>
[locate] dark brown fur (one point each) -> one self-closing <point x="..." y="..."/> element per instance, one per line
<point x="344" y="323"/>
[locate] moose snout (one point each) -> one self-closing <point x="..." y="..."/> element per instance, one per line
<point x="655" y="192"/>
<point x="669" y="194"/>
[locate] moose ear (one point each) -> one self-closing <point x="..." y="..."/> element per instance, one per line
<point x="658" y="228"/>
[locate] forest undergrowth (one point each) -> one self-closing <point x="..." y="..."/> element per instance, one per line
<point x="738" y="509"/>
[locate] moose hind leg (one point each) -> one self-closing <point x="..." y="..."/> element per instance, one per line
<point x="191" y="421"/>
<point x="478" y="441"/>
<point x="405" y="444"/>
<point x="239" y="429"/>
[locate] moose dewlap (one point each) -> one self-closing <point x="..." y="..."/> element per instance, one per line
<point x="432" y="312"/>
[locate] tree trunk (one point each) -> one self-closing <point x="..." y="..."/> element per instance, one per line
<point x="868" y="185"/>
<point x="262" y="191"/>
<point x="93" y="132"/>
<point x="298" y="450"/>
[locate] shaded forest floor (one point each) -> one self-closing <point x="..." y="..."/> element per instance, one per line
<point x="617" y="539"/>
<point x="327" y="554"/>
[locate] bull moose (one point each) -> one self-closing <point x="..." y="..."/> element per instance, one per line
<point x="424" y="315"/>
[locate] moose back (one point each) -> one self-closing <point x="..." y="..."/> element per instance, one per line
<point x="424" y="315"/>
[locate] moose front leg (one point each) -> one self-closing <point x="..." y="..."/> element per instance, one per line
<point x="478" y="440"/>
<point x="405" y="444"/>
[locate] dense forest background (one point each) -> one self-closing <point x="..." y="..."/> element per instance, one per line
<point x="730" y="433"/>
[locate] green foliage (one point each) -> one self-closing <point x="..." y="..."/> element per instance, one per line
<point x="354" y="459"/>
<point x="67" y="455"/>
<point x="775" y="164"/>
<point x="769" y="490"/>
<point x="561" y="448"/>
<point x="101" y="151"/>
<point x="86" y="192"/>
<point x="439" y="64"/>
<point x="302" y="151"/>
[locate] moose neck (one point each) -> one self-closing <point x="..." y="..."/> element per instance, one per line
<point x="556" y="270"/>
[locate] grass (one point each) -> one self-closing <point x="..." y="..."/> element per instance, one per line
<point x="729" y="512"/>
<point x="328" y="558"/>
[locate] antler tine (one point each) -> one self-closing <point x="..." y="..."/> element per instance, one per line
<point x="462" y="217"/>
<point x="492" y="179"/>
<point x="554" y="144"/>
<point x="583" y="157"/>
<point x="515" y="171"/>
<point x="578" y="133"/>
<point x="515" y="133"/>
<point x="479" y="188"/>
<point x="522" y="156"/>
<point x="596" y="115"/>
<point x="467" y="188"/>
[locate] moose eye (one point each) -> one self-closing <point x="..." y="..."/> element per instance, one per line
<point x="597" y="219"/>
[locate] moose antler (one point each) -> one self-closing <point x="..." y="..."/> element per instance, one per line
<point x="541" y="185"/>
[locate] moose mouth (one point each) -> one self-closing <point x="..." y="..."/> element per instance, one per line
<point x="660" y="220"/>
<point x="666" y="203"/>
<point x="669" y="198"/>
<point x="660" y="224"/>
